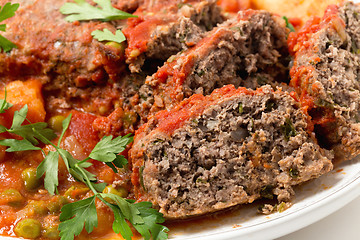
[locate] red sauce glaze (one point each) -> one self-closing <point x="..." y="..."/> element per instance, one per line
<point x="303" y="39"/>
<point x="169" y="121"/>
<point x="303" y="43"/>
<point x="138" y="33"/>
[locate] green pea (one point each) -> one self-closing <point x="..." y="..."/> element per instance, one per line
<point x="55" y="122"/>
<point x="56" y="203"/>
<point x="51" y="232"/>
<point x="38" y="207"/>
<point x="75" y="192"/>
<point x="31" y="182"/>
<point x="121" y="192"/>
<point x="116" y="45"/>
<point x="28" y="228"/>
<point x="13" y="197"/>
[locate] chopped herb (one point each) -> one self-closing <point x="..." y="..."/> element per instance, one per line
<point x="269" y="105"/>
<point x="171" y="58"/>
<point x="288" y="24"/>
<point x="195" y="121"/>
<point x="241" y="109"/>
<point x="158" y="140"/>
<point x="281" y="207"/>
<point x="294" y="173"/>
<point x="266" y="192"/>
<point x="261" y="80"/>
<point x="7" y="11"/>
<point x="354" y="48"/>
<point x="237" y="29"/>
<point x="200" y="72"/>
<point x="288" y="129"/>
<point x="141" y="170"/>
<point x="252" y="129"/>
<point x="180" y="5"/>
<point x="106" y="35"/>
<point x="200" y="180"/>
<point x="324" y="103"/>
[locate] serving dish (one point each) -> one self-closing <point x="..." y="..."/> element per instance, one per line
<point x="314" y="201"/>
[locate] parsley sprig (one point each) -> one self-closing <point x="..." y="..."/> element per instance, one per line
<point x="288" y="24"/>
<point x="80" y="10"/>
<point x="7" y="11"/>
<point x="77" y="215"/>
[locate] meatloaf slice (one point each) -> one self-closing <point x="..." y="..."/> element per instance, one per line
<point x="326" y="75"/>
<point x="249" y="50"/>
<point x="164" y="28"/>
<point x="231" y="147"/>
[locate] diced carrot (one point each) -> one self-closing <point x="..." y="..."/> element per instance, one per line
<point x="20" y="93"/>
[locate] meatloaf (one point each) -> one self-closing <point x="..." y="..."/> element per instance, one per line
<point x="231" y="147"/>
<point x="249" y="50"/>
<point x="164" y="28"/>
<point x="326" y="75"/>
<point x="64" y="55"/>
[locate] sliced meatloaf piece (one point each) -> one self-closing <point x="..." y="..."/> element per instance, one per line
<point x="249" y="50"/>
<point x="64" y="55"/>
<point x="231" y="147"/>
<point x="164" y="28"/>
<point x="326" y="76"/>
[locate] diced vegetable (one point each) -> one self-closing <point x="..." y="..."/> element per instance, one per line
<point x="31" y="182"/>
<point x="28" y="228"/>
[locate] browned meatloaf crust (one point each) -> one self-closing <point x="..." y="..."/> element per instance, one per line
<point x="231" y="147"/>
<point x="164" y="28"/>
<point x="326" y="76"/>
<point x="249" y="50"/>
<point x="64" y="55"/>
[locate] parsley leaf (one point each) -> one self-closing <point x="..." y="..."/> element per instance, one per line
<point x="75" y="215"/>
<point x="3" y="104"/>
<point x="107" y="35"/>
<point x="144" y="218"/>
<point x="7" y="11"/>
<point x="288" y="129"/>
<point x="49" y="166"/>
<point x="107" y="151"/>
<point x="107" y="148"/>
<point x="288" y="24"/>
<point x="81" y="10"/>
<point x="18" y="145"/>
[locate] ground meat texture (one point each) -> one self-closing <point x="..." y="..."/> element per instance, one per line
<point x="64" y="55"/>
<point x="326" y="76"/>
<point x="164" y="28"/>
<point x="231" y="147"/>
<point x="249" y="50"/>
